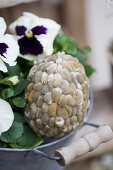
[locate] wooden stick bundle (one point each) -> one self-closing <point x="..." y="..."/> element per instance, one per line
<point x="84" y="145"/>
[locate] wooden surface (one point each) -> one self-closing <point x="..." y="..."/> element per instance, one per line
<point x="8" y="3"/>
<point x="74" y="19"/>
<point x="70" y="14"/>
<point x="41" y="9"/>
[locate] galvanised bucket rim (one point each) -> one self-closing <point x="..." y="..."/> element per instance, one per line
<point x="60" y="139"/>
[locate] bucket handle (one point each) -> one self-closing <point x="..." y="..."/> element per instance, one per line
<point x="81" y="146"/>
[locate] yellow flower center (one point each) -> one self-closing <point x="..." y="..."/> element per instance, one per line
<point x="29" y="34"/>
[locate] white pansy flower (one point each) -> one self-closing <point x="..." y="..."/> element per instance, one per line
<point x="6" y="116"/>
<point x="2" y="26"/>
<point x="9" y="48"/>
<point x="35" y="35"/>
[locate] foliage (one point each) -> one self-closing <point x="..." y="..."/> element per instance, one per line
<point x="20" y="135"/>
<point x="70" y="46"/>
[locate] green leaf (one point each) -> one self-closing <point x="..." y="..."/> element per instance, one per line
<point x="3" y="144"/>
<point x="16" y="130"/>
<point x="12" y="80"/>
<point x="29" y="138"/>
<point x="69" y="45"/>
<point x="23" y="62"/>
<point x="9" y="100"/>
<point x="81" y="57"/>
<point x="13" y="70"/>
<point x="86" y="49"/>
<point x="19" y="101"/>
<point x="20" y="87"/>
<point x="1" y="76"/>
<point x="89" y="70"/>
<point x="7" y="93"/>
<point x="5" y="137"/>
<point x="19" y="117"/>
<point x="70" y="49"/>
<point x="65" y="43"/>
<point x="39" y="142"/>
<point x="13" y="133"/>
<point x="15" y="145"/>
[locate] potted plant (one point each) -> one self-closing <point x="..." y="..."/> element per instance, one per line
<point x="44" y="90"/>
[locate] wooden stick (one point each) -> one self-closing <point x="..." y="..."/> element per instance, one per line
<point x="84" y="145"/>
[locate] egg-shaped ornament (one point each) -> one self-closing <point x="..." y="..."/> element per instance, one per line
<point x="57" y="95"/>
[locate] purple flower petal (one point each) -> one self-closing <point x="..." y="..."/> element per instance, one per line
<point x="20" y="30"/>
<point x="3" y="49"/>
<point x="38" y="30"/>
<point x="30" y="46"/>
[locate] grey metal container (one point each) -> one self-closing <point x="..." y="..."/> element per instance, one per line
<point x="28" y="159"/>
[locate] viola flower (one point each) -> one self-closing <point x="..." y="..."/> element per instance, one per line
<point x="29" y="44"/>
<point x="35" y="35"/>
<point x="9" y="48"/>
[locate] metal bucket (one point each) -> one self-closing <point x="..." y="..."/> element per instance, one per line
<point x="38" y="158"/>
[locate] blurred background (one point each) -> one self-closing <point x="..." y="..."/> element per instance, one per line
<point x="90" y="22"/>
